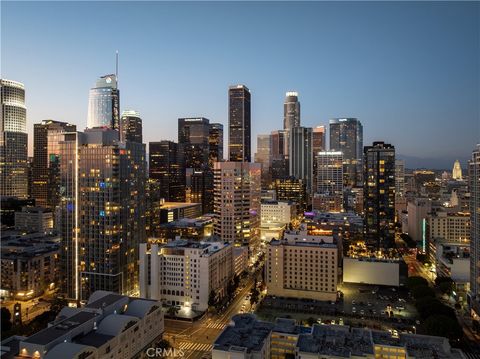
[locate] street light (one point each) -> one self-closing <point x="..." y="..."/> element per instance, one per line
<point x="414" y="329"/>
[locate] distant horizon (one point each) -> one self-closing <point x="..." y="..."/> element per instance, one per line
<point x="408" y="71"/>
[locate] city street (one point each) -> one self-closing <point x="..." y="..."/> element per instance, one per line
<point x="416" y="268"/>
<point x="196" y="338"/>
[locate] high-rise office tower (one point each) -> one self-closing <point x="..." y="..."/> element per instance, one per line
<point x="279" y="154"/>
<point x="194" y="146"/>
<point x="237" y="202"/>
<point x="379" y="194"/>
<point x="329" y="185"/>
<point x="165" y="167"/>
<point x="300" y="155"/>
<point x="215" y="140"/>
<point x="474" y="183"/>
<point x="291" y="111"/>
<point x="457" y="171"/>
<point x="131" y="127"/>
<point x="239" y="122"/>
<point x="399" y="178"/>
<point x="42" y="159"/>
<point x="103" y="212"/>
<point x="193" y="141"/>
<point x="346" y="135"/>
<point x="292" y="189"/>
<point x="104" y="104"/>
<point x="330" y="172"/>
<point x="199" y="188"/>
<point x="262" y="156"/>
<point x="318" y="145"/>
<point x="13" y="140"/>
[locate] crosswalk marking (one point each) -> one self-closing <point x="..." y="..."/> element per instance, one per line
<point x="216" y="325"/>
<point x="201" y="347"/>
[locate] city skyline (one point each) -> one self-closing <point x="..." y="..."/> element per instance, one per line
<point x="396" y="84"/>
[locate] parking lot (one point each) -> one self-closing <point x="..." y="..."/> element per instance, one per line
<point x="360" y="305"/>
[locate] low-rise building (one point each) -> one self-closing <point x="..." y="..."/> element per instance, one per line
<point x="452" y="260"/>
<point x="34" y="219"/>
<point x="377" y="271"/>
<point x="183" y="273"/>
<point x="451" y="227"/>
<point x="240" y="259"/>
<point x="110" y="326"/>
<point x="277" y="212"/>
<point x="303" y="266"/>
<point x="245" y="338"/>
<point x="29" y="264"/>
<point x="173" y="211"/>
<point x="248" y="338"/>
<point x="197" y="229"/>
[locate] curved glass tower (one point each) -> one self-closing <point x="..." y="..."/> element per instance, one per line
<point x="13" y="140"/>
<point x="104" y="104"/>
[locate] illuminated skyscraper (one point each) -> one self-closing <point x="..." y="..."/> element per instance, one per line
<point x="457" y="171"/>
<point x="474" y="184"/>
<point x="379" y="194"/>
<point x="13" y="140"/>
<point x="399" y="178"/>
<point x="104" y="104"/>
<point x="318" y="145"/>
<point x="262" y="156"/>
<point x="279" y="154"/>
<point x="215" y="140"/>
<point x="300" y="155"/>
<point x="43" y="163"/>
<point x="346" y="135"/>
<point x="131" y="127"/>
<point x="103" y="212"/>
<point x="239" y="122"/>
<point x="165" y="168"/>
<point x="237" y="201"/>
<point x="291" y="111"/>
<point x="329" y="186"/>
<point x="193" y="141"/>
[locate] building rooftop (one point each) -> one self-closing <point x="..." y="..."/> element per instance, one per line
<point x="246" y="333"/>
<point x="103" y="301"/>
<point x="16" y="244"/>
<point x="178" y="205"/>
<point x="339" y="341"/>
<point x="52" y="333"/>
<point x="289" y="326"/>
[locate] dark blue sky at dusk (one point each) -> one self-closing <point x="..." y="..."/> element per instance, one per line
<point x="410" y="71"/>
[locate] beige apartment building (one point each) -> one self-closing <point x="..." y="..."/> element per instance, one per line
<point x="303" y="266"/>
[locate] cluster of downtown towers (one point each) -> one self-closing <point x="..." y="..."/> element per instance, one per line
<point x="106" y="201"/>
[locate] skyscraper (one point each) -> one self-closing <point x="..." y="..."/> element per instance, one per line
<point x="346" y="135"/>
<point x="43" y="163"/>
<point x="131" y="127"/>
<point x="165" y="167"/>
<point x="457" y="171"/>
<point x="291" y="111"/>
<point x="399" y="178"/>
<point x="262" y="156"/>
<point x="104" y="104"/>
<point x="474" y="182"/>
<point x="193" y="141"/>
<point x="237" y="202"/>
<point x="215" y="140"/>
<point x="279" y="154"/>
<point x="13" y="140"/>
<point x="318" y="145"/>
<point x="194" y="146"/>
<point x="379" y="194"/>
<point x="300" y="155"/>
<point x="329" y="182"/>
<point x="103" y="213"/>
<point x="239" y="122"/>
